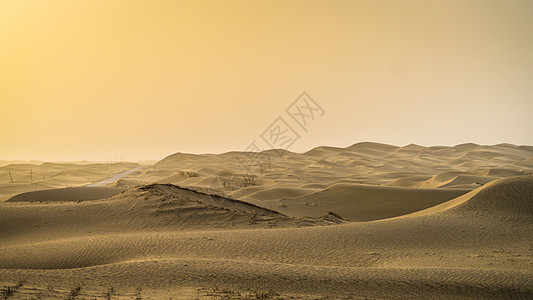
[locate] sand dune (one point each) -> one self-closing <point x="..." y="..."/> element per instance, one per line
<point x="32" y="177"/>
<point x="278" y="193"/>
<point x="509" y="197"/>
<point x="369" y="163"/>
<point x="366" y="221"/>
<point x="478" y="247"/>
<point x="365" y="202"/>
<point x="66" y="194"/>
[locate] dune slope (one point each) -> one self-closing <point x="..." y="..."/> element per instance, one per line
<point x="476" y="247"/>
<point x="356" y="202"/>
<point x="66" y="194"/>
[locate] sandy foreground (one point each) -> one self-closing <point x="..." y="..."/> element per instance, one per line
<point x="370" y="221"/>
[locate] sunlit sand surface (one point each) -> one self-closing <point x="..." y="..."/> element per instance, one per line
<point x="367" y="221"/>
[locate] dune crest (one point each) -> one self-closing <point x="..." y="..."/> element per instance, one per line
<point x="511" y="197"/>
<point x="465" y="166"/>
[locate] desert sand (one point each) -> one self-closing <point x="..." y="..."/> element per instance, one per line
<point x="369" y="221"/>
<point x="35" y="176"/>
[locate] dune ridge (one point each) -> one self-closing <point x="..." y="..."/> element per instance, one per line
<point x="465" y="166"/>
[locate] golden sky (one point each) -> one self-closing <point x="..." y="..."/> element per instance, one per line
<point x="144" y="79"/>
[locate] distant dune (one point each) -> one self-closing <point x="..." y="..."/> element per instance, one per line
<point x="465" y="166"/>
<point x="66" y="194"/>
<point x="367" y="221"/>
<point x="29" y="177"/>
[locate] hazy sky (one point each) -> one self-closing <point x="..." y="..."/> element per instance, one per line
<point x="144" y="79"/>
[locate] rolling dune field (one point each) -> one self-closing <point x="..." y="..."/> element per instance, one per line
<point x="369" y="221"/>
